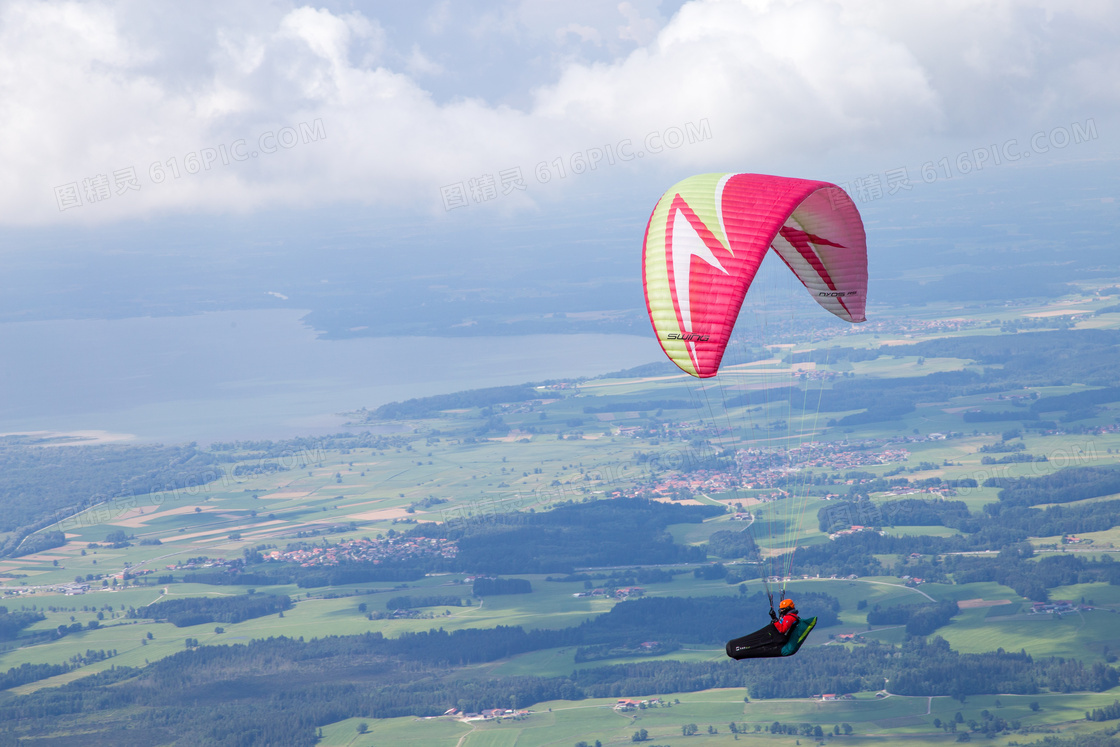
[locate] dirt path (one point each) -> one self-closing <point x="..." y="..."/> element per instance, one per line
<point x="464" y="737"/>
<point x="868" y="581"/>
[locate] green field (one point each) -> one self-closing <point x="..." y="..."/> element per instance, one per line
<point x="562" y="449"/>
<point x="1079" y="635"/>
<point x="901" y="720"/>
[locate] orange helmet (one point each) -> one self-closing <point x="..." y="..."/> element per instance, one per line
<point x="786" y="604"/>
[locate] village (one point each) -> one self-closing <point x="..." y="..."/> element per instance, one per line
<point x="761" y="466"/>
<point x="388" y="550"/>
<point x="489" y="714"/>
<point x="771" y="469"/>
<point x="624" y="593"/>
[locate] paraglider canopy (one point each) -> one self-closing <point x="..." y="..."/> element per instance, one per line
<point x="707" y="237"/>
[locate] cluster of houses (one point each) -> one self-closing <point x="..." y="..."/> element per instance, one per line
<point x="829" y="697"/>
<point x="908" y="327"/>
<point x="700" y="481"/>
<point x="763" y="468"/>
<point x="678" y="432"/>
<point x="938" y="491"/>
<point x="775" y="495"/>
<point x="760" y="469"/>
<point x="194" y="564"/>
<point x="1055" y="607"/>
<point x="849" y="459"/>
<point x="1013" y="397"/>
<point x="806" y="577"/>
<point x="69" y="589"/>
<point x="624" y="593"/>
<point x="854" y="529"/>
<point x="1098" y="430"/>
<point x="132" y="573"/>
<point x="369" y="551"/>
<point x="626" y="704"/>
<point x="816" y="375"/>
<point x="490" y="714"/>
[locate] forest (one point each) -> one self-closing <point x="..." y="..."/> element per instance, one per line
<point x="1017" y="520"/>
<point x="572" y="535"/>
<point x="40" y="486"/>
<point x="918" y="619"/>
<point x="11" y="623"/>
<point x="424" y="407"/>
<point x="1063" y="486"/>
<point x="1049" y="358"/>
<point x="1004" y="526"/>
<point x="278" y="690"/>
<point x="595" y="533"/>
<point x="232" y="694"/>
<point x="189" y="611"/>
<point x="308" y="449"/>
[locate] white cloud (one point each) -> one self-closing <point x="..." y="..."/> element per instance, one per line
<point x="589" y="20"/>
<point x="419" y="64"/>
<point x="801" y="76"/>
<point x="587" y="34"/>
<point x="438" y="19"/>
<point x="88" y="88"/>
<point x="638" y="28"/>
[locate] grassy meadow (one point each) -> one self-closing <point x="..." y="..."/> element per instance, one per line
<point x="566" y="449"/>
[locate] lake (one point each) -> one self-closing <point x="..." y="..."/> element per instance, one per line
<point x="258" y="374"/>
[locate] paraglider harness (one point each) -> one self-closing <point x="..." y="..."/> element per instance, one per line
<point x="769" y="641"/>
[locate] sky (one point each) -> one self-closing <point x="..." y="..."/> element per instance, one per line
<point x="133" y="111"/>
<point x="309" y="175"/>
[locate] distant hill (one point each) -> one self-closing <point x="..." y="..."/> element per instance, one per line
<point x="423" y="407"/>
<point x="39" y="486"/>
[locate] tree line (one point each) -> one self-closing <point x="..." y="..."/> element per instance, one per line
<point x="920" y="620"/>
<point x="189" y="611"/>
<point x="1064" y="486"/>
<point x="304" y="447"/>
<point x="1024" y="360"/>
<point x="39" y="487"/>
<point x="423" y="407"/>
<point x="11" y="623"/>
<point x="621" y="531"/>
<point x="279" y="690"/>
<point x="1011" y="520"/>
<point x="408" y="603"/>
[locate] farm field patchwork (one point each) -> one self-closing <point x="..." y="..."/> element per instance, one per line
<point x="573" y="446"/>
